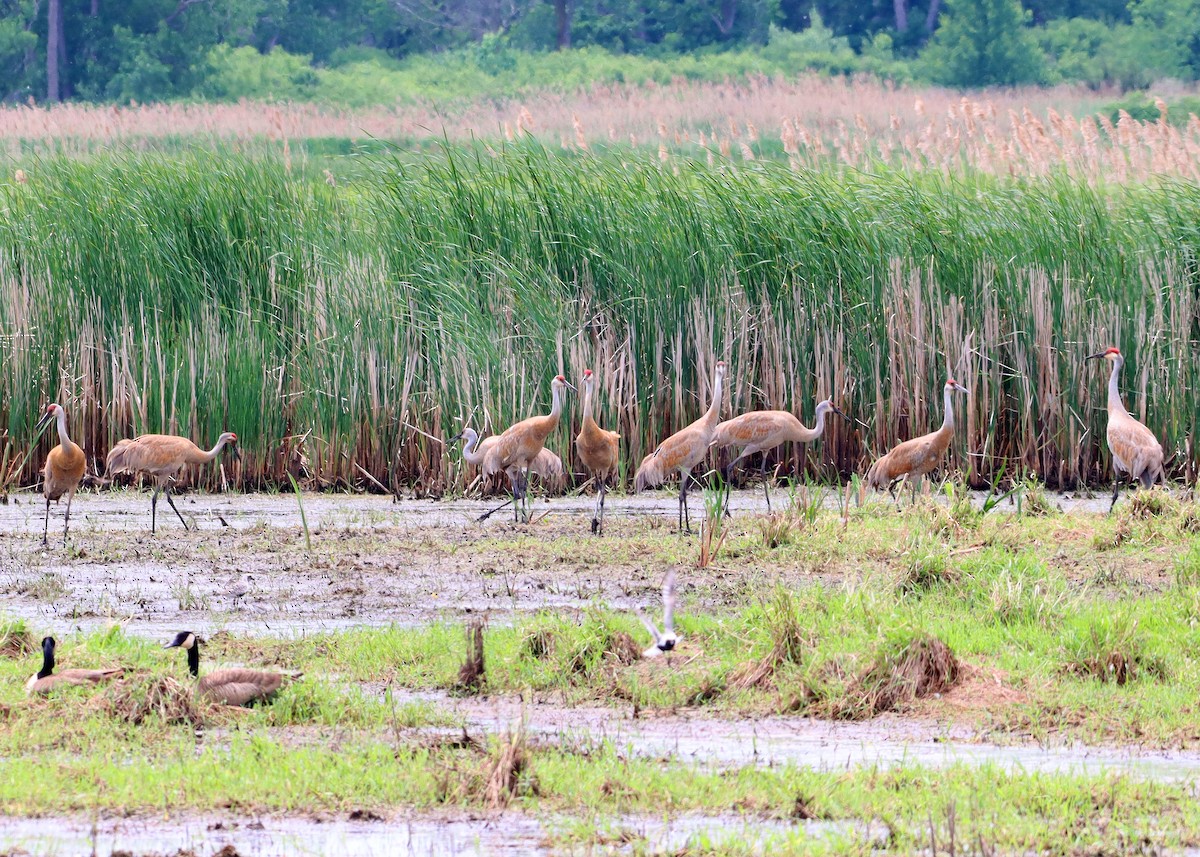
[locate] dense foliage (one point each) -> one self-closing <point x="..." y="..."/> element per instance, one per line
<point x="147" y="50"/>
<point x="406" y="298"/>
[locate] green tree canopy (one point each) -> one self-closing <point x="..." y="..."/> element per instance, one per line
<point x="984" y="43"/>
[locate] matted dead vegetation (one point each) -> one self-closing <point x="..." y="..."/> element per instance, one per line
<point x="138" y="698"/>
<point x="920" y="667"/>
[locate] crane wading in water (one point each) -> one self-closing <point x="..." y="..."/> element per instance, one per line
<point x="762" y="431"/>
<point x="1135" y="450"/>
<point x="683" y="450"/>
<point x="64" y="468"/>
<point x="919" y="456"/>
<point x="598" y="449"/>
<point x="517" y="447"/>
<point x="162" y="456"/>
<point x="546" y="466"/>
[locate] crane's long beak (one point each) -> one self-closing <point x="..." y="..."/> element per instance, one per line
<point x="838" y="411"/>
<point x="1099" y="356"/>
<point x="43" y="422"/>
<point x="570" y="386"/>
<point x="237" y="453"/>
<point x="455" y="439"/>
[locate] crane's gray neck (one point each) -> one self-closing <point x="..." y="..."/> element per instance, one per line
<point x="714" y="407"/>
<point x="556" y="401"/>
<point x="819" y="425"/>
<point x="587" y="400"/>
<point x="1114" y="391"/>
<point x="948" y="420"/>
<point x="469" y="447"/>
<point x="63" y="437"/>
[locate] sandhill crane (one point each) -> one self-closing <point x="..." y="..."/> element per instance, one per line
<point x="919" y="456"/>
<point x="64" y="468"/>
<point x="683" y="450"/>
<point x="761" y="431"/>
<point x="162" y="456"/>
<point x="1135" y="450"/>
<point x="598" y="449"/>
<point x="546" y="465"/>
<point x="46" y="679"/>
<point x="229" y="686"/>
<point x="520" y="444"/>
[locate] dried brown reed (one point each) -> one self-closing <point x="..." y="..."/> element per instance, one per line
<point x="473" y="672"/>
<point x="922" y="666"/>
<point x="138" y="698"/>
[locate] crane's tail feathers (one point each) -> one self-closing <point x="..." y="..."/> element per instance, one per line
<point x="875" y="475"/>
<point x="649" y="473"/>
<point x="118" y="458"/>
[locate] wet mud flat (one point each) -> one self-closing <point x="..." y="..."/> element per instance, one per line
<point x="365" y="834"/>
<point x="245" y="567"/>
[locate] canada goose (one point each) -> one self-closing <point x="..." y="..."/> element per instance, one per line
<point x="46" y="680"/>
<point x="665" y="641"/>
<point x="229" y="686"/>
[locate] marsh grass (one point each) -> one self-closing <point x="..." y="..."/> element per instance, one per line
<point x="223" y="290"/>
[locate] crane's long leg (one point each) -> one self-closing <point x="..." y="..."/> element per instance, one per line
<point x="46" y="529"/>
<point x="603" y="492"/>
<point x="167" y="493"/>
<point x="1116" y="491"/>
<point x="683" y="489"/>
<point x="67" y="521"/>
<point x="766" y="490"/>
<point x="154" y="508"/>
<point x="598" y="512"/>
<point x="729" y="478"/>
<point x="491" y="512"/>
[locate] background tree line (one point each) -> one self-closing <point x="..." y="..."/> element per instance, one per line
<point x="104" y="50"/>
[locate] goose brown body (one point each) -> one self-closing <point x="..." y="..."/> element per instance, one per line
<point x="231" y="686"/>
<point x="46" y="680"/>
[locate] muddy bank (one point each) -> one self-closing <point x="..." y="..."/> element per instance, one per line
<point x="365" y="834"/>
<point x="372" y="562"/>
<point x="246" y="567"/>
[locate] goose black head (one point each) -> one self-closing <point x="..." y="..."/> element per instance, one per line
<point x="48" y="645"/>
<point x="183" y="640"/>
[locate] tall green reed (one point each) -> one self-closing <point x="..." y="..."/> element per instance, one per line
<point x="198" y="292"/>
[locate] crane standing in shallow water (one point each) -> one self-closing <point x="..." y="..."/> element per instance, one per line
<point x="520" y="444"/>
<point x="919" y="456"/>
<point x="1135" y="450"/>
<point x="64" y="468"/>
<point x="762" y="431"/>
<point x="163" y="456"/>
<point x="546" y="465"/>
<point x="598" y="450"/>
<point x="683" y="450"/>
